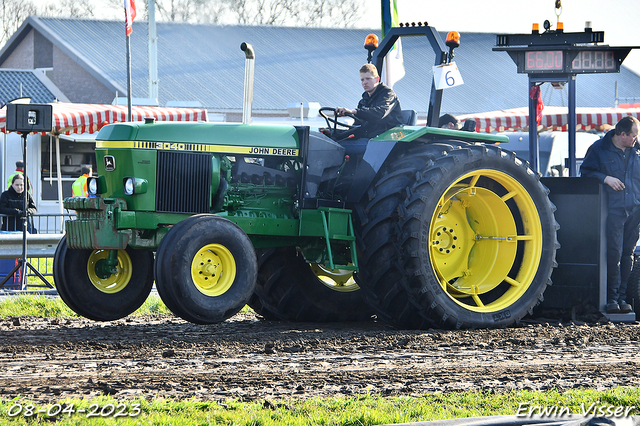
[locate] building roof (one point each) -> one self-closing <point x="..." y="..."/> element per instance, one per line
<point x="204" y="63"/>
<point x="32" y="84"/>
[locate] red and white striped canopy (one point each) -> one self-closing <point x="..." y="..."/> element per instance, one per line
<point x="89" y="118"/>
<point x="553" y="118"/>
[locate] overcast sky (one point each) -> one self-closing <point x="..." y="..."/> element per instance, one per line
<point x="619" y="19"/>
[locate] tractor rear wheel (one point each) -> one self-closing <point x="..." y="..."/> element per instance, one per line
<point x="205" y="269"/>
<point x="254" y="302"/>
<point x="381" y="275"/>
<point x="92" y="293"/>
<point x="293" y="290"/>
<point x="475" y="245"/>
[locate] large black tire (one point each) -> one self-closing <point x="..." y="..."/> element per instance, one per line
<point x="102" y="299"/>
<point x="470" y="242"/>
<point x="254" y="302"/>
<point x="205" y="269"/>
<point x="292" y="290"/>
<point x="377" y="225"/>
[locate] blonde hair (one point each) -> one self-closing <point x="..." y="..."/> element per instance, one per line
<point x="369" y="68"/>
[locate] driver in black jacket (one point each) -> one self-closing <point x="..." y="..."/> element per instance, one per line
<point x="378" y="110"/>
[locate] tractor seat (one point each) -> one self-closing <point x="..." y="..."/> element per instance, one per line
<point x="409" y="117"/>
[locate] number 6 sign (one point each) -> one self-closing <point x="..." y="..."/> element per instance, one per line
<point x="446" y="76"/>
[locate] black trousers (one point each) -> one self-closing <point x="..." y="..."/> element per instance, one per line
<point x="622" y="236"/>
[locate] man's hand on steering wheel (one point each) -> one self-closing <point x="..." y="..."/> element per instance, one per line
<point x="346" y="112"/>
<point x="332" y="121"/>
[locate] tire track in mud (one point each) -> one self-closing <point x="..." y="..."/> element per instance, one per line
<point x="161" y="356"/>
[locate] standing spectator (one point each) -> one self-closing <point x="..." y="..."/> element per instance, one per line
<point x="79" y="188"/>
<point x="19" y="169"/>
<point x="12" y="205"/>
<point x="615" y="161"/>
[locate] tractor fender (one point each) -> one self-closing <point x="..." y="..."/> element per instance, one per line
<point x="374" y="157"/>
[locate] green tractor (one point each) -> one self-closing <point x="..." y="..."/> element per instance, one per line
<point x="430" y="228"/>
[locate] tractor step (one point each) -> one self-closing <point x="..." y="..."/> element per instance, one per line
<point x="331" y="216"/>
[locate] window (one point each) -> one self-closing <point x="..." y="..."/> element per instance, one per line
<point x="73" y="154"/>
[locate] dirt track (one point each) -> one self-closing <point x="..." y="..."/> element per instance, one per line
<point x="247" y="358"/>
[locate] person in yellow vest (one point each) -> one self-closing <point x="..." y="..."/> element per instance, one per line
<point x="19" y="170"/>
<point x="79" y="187"/>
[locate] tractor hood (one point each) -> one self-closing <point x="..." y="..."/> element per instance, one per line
<point x="219" y="134"/>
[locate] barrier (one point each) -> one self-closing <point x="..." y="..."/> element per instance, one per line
<point x="6" y="265"/>
<point x="41" y="248"/>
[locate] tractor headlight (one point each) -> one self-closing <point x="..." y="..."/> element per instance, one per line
<point x="128" y="186"/>
<point x="92" y="186"/>
<point x="133" y="185"/>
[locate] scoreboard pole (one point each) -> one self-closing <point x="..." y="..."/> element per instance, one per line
<point x="534" y="146"/>
<point x="549" y="58"/>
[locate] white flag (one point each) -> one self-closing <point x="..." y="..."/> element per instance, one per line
<point x="393" y="69"/>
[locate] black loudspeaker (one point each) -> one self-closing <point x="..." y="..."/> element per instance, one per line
<point x="27" y="118"/>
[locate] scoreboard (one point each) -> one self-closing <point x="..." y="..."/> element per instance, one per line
<point x="570" y="61"/>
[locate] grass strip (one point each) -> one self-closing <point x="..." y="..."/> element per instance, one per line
<point x="361" y="410"/>
<point x="54" y="307"/>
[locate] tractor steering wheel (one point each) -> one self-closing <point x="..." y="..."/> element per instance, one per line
<point x="334" y="120"/>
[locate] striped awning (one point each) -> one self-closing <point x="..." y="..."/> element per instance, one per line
<point x="71" y="118"/>
<point x="553" y="118"/>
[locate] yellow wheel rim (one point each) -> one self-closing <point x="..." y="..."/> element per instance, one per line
<point x="485" y="241"/>
<point x="114" y="283"/>
<point x="336" y="279"/>
<point x="213" y="270"/>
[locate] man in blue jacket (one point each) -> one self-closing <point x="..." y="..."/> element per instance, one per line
<point x="615" y="161"/>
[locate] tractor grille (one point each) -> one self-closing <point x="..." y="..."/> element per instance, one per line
<point x="184" y="182"/>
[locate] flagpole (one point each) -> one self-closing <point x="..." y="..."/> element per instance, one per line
<point x="393" y="66"/>
<point x="129" y="14"/>
<point x="129" y="103"/>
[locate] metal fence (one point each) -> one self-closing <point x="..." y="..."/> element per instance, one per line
<point x="42" y="223"/>
<point x="40" y="249"/>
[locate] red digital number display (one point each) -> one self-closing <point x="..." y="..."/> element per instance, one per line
<point x="594" y="61"/>
<point x="545" y="60"/>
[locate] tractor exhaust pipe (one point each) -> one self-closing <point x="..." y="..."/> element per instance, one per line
<point x="248" y="82"/>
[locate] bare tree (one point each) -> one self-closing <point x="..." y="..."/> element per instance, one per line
<point x="315" y="13"/>
<point x="327" y="13"/>
<point x="196" y="11"/>
<point x="213" y="12"/>
<point x="68" y="9"/>
<point x="14" y="12"/>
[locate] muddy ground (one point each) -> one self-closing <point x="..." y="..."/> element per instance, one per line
<point x="249" y="358"/>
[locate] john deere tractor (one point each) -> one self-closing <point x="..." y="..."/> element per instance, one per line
<point x="430" y="228"/>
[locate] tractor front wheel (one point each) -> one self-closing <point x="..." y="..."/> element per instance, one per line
<point x="87" y="287"/>
<point x="205" y="269"/>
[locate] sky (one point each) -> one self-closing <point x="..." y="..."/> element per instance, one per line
<point x="620" y="20"/>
